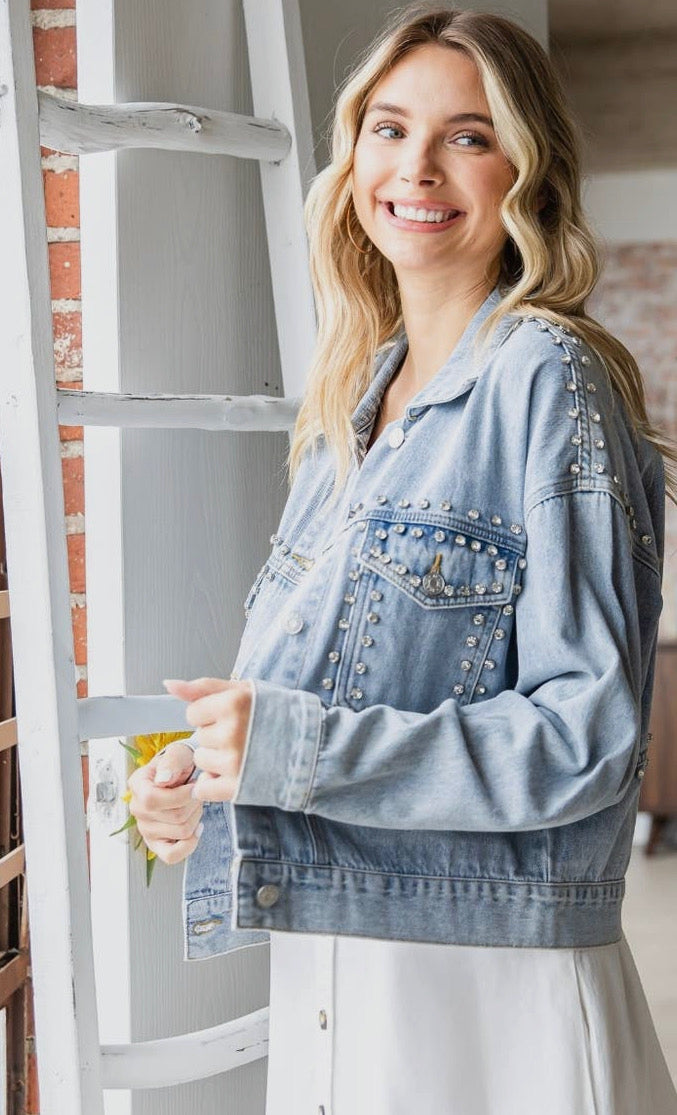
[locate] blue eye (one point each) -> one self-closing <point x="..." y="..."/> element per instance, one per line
<point x="378" y="127"/>
<point x="479" y="139"/>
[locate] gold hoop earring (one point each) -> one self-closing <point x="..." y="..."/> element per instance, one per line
<point x="362" y="251"/>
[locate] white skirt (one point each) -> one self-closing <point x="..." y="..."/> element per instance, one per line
<point x="360" y="1026"/>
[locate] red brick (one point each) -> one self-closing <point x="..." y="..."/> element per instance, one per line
<point x="67" y="340"/>
<point x="85" y="778"/>
<point x="62" y="198"/>
<point x="55" y="60"/>
<point x="76" y="561"/>
<point x="36" y="4"/>
<point x="64" y="269"/>
<point x="73" y="469"/>
<point x="71" y="433"/>
<point x="81" y="687"/>
<point x="79" y="620"/>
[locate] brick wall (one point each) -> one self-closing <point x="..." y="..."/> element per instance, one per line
<point x="635" y="300"/>
<point x="55" y="64"/>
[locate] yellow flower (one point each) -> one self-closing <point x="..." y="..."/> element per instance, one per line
<point x="144" y="749"/>
<point x="148" y="746"/>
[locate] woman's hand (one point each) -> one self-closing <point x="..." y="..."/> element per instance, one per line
<point x="167" y="815"/>
<point x="220" y="711"/>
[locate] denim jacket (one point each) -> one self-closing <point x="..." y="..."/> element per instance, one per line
<point x="452" y="668"/>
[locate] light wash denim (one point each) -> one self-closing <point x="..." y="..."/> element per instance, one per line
<point x="452" y="668"/>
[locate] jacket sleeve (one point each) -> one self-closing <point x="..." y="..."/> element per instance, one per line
<point x="561" y="745"/>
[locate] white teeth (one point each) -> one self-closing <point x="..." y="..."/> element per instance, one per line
<point x="426" y="216"/>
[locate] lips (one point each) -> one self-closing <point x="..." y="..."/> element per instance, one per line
<point x="419" y="226"/>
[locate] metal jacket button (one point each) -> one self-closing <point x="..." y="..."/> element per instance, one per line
<point x="396" y="437"/>
<point x="293" y="623"/>
<point x="267" y="895"/>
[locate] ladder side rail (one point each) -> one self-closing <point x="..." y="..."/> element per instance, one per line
<point x="81" y="129"/>
<point x="279" y="86"/>
<point x="49" y="756"/>
<point x="197" y="412"/>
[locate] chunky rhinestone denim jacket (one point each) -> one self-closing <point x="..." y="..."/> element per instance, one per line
<point x="452" y="668"/>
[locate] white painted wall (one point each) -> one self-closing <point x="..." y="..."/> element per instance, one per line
<point x="177" y="297"/>
<point x="633" y="207"/>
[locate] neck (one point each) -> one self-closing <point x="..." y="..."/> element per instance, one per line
<point x="434" y="321"/>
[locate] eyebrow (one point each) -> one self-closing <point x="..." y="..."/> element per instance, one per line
<point x="459" y="118"/>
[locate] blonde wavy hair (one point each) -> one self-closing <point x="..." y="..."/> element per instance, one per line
<point x="549" y="264"/>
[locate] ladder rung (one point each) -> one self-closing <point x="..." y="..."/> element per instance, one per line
<point x="197" y="412"/>
<point x="11" y="865"/>
<point x="12" y="975"/>
<point x="101" y="717"/>
<point x="8" y="737"/>
<point x="80" y="129"/>
<point x="177" y="1060"/>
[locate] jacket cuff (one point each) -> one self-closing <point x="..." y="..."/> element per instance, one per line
<point x="281" y="747"/>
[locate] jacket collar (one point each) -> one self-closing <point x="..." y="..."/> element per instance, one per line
<point x="445" y="385"/>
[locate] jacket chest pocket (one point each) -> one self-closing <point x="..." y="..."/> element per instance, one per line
<point x="437" y="611"/>
<point x="268" y="601"/>
<point x="443" y="566"/>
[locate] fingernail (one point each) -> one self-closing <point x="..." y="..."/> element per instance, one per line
<point x="164" y="775"/>
<point x="199" y="830"/>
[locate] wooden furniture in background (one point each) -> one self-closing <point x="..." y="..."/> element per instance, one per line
<point x="659" y="787"/>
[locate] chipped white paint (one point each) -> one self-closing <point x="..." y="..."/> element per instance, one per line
<point x="58" y="92"/>
<point x="78" y="129"/>
<point x="59" y="163"/>
<point x="196" y="412"/>
<point x="66" y="375"/>
<point x="69" y="449"/>
<point x="75" y="524"/>
<point x="66" y="305"/>
<point x="61" y="235"/>
<point x="48" y="18"/>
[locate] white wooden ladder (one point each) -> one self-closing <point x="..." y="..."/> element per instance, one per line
<point x="74" y="1068"/>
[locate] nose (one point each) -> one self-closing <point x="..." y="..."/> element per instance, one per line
<point x="419" y="166"/>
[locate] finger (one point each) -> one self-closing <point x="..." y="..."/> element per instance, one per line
<point x="174" y="765"/>
<point x="173" y="851"/>
<point x="211" y="787"/>
<point x="148" y="798"/>
<point x="217" y="761"/>
<point x="154" y="829"/>
<point x="216" y="736"/>
<point x="167" y="816"/>
<point x="191" y="690"/>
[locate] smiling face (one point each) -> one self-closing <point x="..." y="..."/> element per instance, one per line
<point x="427" y="144"/>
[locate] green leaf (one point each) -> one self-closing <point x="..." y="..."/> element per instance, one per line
<point x="138" y="843"/>
<point x="129" y="823"/>
<point x="150" y="865"/>
<point x="133" y="751"/>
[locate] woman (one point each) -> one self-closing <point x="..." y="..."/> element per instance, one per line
<point x="433" y="738"/>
